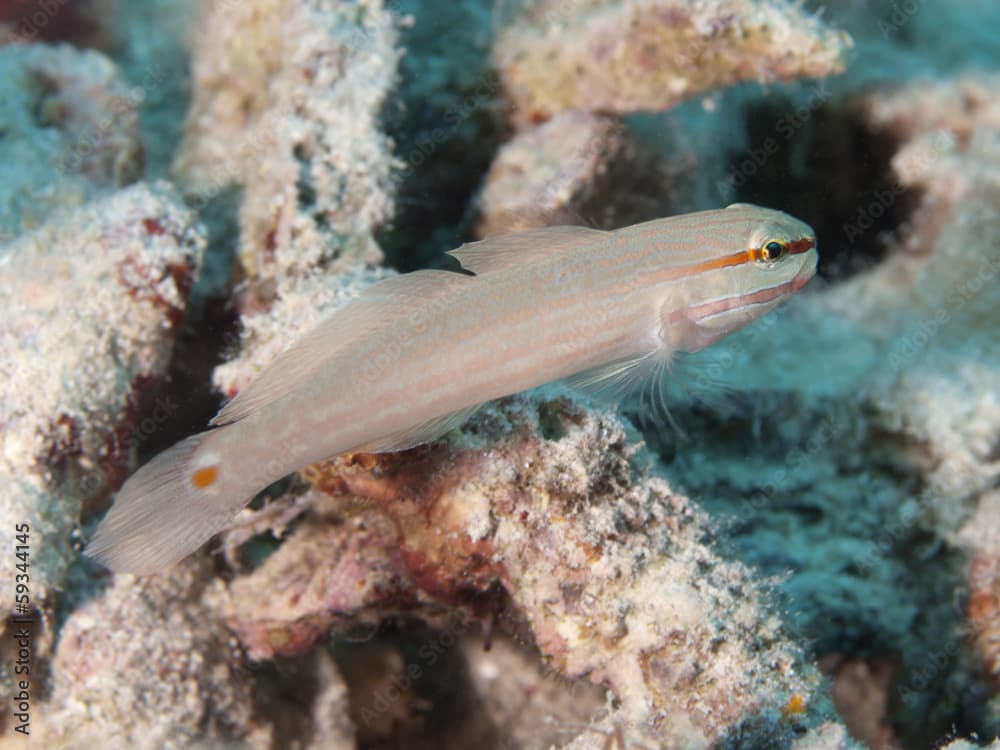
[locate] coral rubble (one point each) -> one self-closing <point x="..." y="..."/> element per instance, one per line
<point x="898" y="424"/>
<point x="124" y="678"/>
<point x="939" y="392"/>
<point x="603" y="564"/>
<point x="298" y="130"/>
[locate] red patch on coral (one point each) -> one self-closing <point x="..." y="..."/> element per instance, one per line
<point x="141" y="282"/>
<point x="983" y="611"/>
<point x="153" y="226"/>
<point x="115" y="459"/>
<point x="63" y="439"/>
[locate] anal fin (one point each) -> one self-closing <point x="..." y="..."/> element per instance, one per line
<point x="419" y="434"/>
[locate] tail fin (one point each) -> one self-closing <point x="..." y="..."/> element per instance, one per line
<point x="163" y="513"/>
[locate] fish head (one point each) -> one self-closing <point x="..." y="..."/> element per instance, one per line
<point x="762" y="258"/>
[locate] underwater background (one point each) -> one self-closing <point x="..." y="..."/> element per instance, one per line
<point x="804" y="553"/>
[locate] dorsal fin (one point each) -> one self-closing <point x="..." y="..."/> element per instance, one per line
<point x="379" y="304"/>
<point x="510" y="250"/>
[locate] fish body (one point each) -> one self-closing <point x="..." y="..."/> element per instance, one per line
<point x="416" y="354"/>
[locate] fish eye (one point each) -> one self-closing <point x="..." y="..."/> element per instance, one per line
<point x="772" y="251"/>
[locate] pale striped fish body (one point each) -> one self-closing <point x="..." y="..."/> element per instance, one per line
<point x="417" y="353"/>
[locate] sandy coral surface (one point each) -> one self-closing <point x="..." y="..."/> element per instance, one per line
<point x="297" y="131"/>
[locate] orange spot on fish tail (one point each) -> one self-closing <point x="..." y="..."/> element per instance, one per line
<point x="205" y="477"/>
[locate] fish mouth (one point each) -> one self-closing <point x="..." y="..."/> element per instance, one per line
<point x="699" y="313"/>
<point x="803" y="278"/>
<point x="797" y="247"/>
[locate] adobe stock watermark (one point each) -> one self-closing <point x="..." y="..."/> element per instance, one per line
<point x="261" y="141"/>
<point x="919" y="337"/>
<point x="881" y="201"/>
<point x="479" y="98"/>
<point x="32" y="24"/>
<point x="831" y="428"/>
<point x="429" y="653"/>
<point x="902" y="13"/>
<point x="784" y="128"/>
<point x="22" y="622"/>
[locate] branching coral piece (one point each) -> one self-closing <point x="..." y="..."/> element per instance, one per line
<point x="297" y="126"/>
<point x="93" y="303"/>
<point x="577" y="168"/>
<point x="608" y="56"/>
<point x="70" y="132"/>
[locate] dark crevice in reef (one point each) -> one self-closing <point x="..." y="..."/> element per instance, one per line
<point x="70" y="21"/>
<point x="821" y="161"/>
<point x="183" y="402"/>
<point x="285" y="688"/>
<point x="447" y="123"/>
<point x="410" y="687"/>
